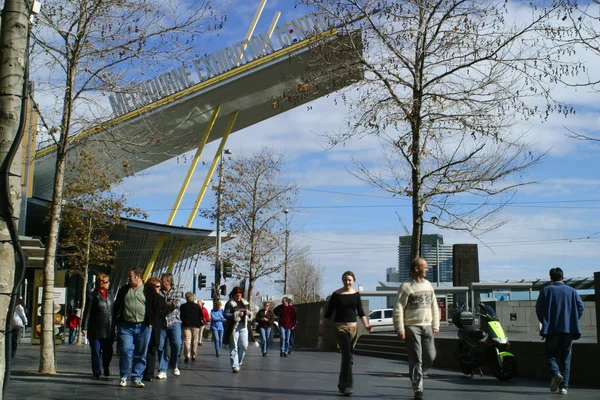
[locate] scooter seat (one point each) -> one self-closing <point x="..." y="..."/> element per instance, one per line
<point x="474" y="333"/>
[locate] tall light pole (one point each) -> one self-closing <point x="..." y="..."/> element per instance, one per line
<point x="285" y="260"/>
<point x="218" y="261"/>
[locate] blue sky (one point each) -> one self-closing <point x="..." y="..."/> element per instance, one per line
<point x="349" y="225"/>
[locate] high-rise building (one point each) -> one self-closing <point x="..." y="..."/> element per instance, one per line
<point x="391" y="275"/>
<point x="438" y="256"/>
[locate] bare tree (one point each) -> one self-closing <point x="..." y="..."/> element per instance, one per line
<point x="254" y="193"/>
<point x="444" y="83"/>
<point x="580" y="28"/>
<point x="13" y="59"/>
<point x="91" y="212"/>
<point x="305" y="279"/>
<point x="85" y="48"/>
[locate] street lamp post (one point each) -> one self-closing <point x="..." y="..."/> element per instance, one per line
<point x="218" y="261"/>
<point x="285" y="260"/>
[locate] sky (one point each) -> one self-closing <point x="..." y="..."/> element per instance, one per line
<point x="349" y="225"/>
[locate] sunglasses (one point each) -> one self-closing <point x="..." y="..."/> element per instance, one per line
<point x="157" y="286"/>
<point x="104" y="282"/>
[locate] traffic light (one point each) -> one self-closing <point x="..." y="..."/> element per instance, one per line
<point x="223" y="290"/>
<point x="227" y="269"/>
<point x="201" y="281"/>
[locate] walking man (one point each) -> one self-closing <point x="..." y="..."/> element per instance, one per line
<point x="559" y="309"/>
<point x="416" y="320"/>
<point x="131" y="313"/>
<point x="172" y="333"/>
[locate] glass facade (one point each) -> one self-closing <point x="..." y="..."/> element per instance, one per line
<point x="438" y="256"/>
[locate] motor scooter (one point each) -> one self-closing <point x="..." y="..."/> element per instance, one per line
<point x="488" y="345"/>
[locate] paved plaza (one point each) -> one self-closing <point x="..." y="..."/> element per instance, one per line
<point x="302" y="375"/>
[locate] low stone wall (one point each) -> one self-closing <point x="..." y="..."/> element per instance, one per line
<point x="527" y="320"/>
<point x="531" y="360"/>
<point x="309" y="317"/>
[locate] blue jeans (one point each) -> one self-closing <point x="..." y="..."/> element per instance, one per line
<point x="265" y="336"/>
<point x="133" y="345"/>
<point x="284" y="337"/>
<point x="102" y="349"/>
<point x="172" y="335"/>
<point x="558" y="353"/>
<point x="217" y="339"/>
<point x="72" y="335"/>
<point x="239" y="345"/>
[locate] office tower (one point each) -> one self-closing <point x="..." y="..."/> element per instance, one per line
<point x="438" y="256"/>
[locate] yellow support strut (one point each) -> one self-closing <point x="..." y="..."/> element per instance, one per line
<point x="182" y="190"/>
<point x="209" y="175"/>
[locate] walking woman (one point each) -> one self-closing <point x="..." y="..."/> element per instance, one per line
<point x="347" y="304"/>
<point x="217" y="317"/>
<point x="264" y="321"/>
<point x="157" y="321"/>
<point x="97" y="325"/>
<point x="237" y="312"/>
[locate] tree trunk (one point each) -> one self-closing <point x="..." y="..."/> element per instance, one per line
<point x="47" y="360"/>
<point x="83" y="299"/>
<point x="13" y="54"/>
<point x="86" y="268"/>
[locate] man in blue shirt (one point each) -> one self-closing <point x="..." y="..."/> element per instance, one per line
<point x="559" y="309"/>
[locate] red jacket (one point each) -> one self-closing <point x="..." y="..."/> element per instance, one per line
<point x="206" y="315"/>
<point x="73" y="321"/>
<point x="287" y="317"/>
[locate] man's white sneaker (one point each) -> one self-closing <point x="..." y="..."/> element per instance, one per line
<point x="161" y="375"/>
<point x="562" y="391"/>
<point x="555" y="382"/>
<point x="138" y="384"/>
<point x="123" y="382"/>
<point x="176" y="372"/>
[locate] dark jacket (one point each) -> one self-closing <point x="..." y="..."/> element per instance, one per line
<point x="559" y="309"/>
<point x="262" y="314"/>
<point x="191" y="315"/>
<point x="153" y="306"/>
<point x="98" y="316"/>
<point x="287" y="316"/>
<point x="157" y="317"/>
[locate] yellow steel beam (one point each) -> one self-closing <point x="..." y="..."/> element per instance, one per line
<point x="186" y="182"/>
<point x="253" y="24"/>
<point x="209" y="175"/>
<point x="193" y="165"/>
<point x="175" y="256"/>
<point x="211" y="170"/>
<point x="150" y="266"/>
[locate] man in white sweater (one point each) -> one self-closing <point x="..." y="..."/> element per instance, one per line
<point x="416" y="320"/>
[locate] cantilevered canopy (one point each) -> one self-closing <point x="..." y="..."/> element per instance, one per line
<point x="173" y="125"/>
<point x="139" y="239"/>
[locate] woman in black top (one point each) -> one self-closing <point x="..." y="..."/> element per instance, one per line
<point x="346" y="303"/>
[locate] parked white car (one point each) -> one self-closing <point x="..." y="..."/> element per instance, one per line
<point x="381" y="320"/>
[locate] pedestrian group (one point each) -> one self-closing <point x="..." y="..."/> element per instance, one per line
<point x="154" y="319"/>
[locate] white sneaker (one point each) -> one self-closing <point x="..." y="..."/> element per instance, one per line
<point x="138" y="384"/>
<point x="123" y="382"/>
<point x="161" y="375"/>
<point x="176" y="372"/>
<point x="555" y="382"/>
<point x="562" y="391"/>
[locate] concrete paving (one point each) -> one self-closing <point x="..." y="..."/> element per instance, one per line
<point x="302" y="375"/>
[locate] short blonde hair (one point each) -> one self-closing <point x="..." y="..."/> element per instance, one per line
<point x="101" y="278"/>
<point x="189" y="296"/>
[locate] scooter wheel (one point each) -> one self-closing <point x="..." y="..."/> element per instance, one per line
<point x="507" y="370"/>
